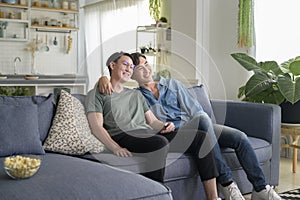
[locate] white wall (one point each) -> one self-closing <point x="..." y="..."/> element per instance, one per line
<point x="222" y="42"/>
<point x="214" y="32"/>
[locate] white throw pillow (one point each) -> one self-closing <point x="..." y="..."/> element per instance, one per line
<point x="70" y="132"/>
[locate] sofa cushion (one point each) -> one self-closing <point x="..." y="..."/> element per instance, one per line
<point x="134" y="164"/>
<point x="19" y="130"/>
<point x="178" y="165"/>
<point x="200" y="94"/>
<point x="70" y="132"/>
<point x="45" y="109"/>
<point x="63" y="177"/>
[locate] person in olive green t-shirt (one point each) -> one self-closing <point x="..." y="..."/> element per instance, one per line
<point x="117" y="115"/>
<point x="124" y="123"/>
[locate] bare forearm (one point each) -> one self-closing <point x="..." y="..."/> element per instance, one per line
<point x="96" y="124"/>
<point x="104" y="137"/>
<point x="157" y="125"/>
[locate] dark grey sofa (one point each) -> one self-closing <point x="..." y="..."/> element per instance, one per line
<point x="261" y="122"/>
<point x="106" y="176"/>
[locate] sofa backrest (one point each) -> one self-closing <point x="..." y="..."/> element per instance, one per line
<point x="197" y="91"/>
<point x="200" y="94"/>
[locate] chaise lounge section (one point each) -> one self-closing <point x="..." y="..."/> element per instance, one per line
<point x="106" y="176"/>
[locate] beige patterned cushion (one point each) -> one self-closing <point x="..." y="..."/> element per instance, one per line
<point x="70" y="132"/>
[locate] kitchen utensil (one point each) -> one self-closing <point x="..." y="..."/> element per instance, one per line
<point x="70" y="41"/>
<point x="65" y="41"/>
<point x="36" y="42"/>
<point x="55" y="42"/>
<point x="46" y="48"/>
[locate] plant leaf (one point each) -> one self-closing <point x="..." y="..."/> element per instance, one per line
<point x="289" y="89"/>
<point x="246" y="61"/>
<point x="268" y="96"/>
<point x="258" y="83"/>
<point x="295" y="67"/>
<point x="270" y="66"/>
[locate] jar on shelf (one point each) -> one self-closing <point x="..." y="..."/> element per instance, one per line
<point x="36" y="3"/>
<point x="23" y="2"/>
<point x="65" y="5"/>
<point x="65" y="20"/>
<point x="73" y="5"/>
<point x="72" y="23"/>
<point x="56" y="4"/>
<point x="11" y="15"/>
<point x="24" y="15"/>
<point x="1" y="14"/>
<point x="35" y="21"/>
<point x="46" y="21"/>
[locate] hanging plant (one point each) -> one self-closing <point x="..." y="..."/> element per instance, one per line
<point x="154" y="8"/>
<point x="246" y="23"/>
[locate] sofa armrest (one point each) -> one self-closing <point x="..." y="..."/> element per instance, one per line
<point x="256" y="120"/>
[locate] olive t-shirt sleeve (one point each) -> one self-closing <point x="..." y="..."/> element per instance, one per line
<point x="93" y="101"/>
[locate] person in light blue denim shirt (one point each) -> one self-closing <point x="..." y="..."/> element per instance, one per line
<point x="169" y="100"/>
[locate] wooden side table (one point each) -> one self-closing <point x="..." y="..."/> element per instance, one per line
<point x="294" y="131"/>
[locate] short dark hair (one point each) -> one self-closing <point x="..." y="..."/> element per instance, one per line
<point x="115" y="57"/>
<point x="135" y="57"/>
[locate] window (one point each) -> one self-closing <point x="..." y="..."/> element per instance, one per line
<point x="277" y="29"/>
<point x="110" y="26"/>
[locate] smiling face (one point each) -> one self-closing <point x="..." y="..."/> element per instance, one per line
<point x="122" y="69"/>
<point x="142" y="72"/>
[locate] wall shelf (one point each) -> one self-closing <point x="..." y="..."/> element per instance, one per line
<point x="54" y="9"/>
<point x="17" y="23"/>
<point x="13" y="5"/>
<point x="56" y="29"/>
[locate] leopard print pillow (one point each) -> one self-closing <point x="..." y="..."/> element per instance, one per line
<point x="70" y="132"/>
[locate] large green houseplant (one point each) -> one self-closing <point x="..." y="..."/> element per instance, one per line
<point x="270" y="83"/>
<point x="273" y="83"/>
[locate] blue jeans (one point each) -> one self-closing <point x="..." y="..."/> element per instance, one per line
<point x="235" y="139"/>
<point x="232" y="138"/>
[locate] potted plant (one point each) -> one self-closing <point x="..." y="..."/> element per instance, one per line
<point x="273" y="83"/>
<point x="154" y="8"/>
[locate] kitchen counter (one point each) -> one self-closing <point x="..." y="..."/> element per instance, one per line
<point x="45" y="84"/>
<point x="41" y="79"/>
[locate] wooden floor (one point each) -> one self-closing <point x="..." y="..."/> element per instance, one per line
<point x="287" y="180"/>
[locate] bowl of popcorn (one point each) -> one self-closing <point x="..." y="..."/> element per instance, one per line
<point x="20" y="167"/>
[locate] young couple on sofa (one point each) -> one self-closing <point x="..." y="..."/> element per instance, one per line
<point x="159" y="117"/>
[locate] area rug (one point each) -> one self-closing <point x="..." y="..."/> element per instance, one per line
<point x="291" y="195"/>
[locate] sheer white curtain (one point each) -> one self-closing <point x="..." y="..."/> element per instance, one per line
<point x="110" y="26"/>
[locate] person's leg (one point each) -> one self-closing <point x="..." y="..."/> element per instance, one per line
<point x="206" y="165"/>
<point x="210" y="188"/>
<point x="203" y="123"/>
<point x="190" y="141"/>
<point x="228" y="188"/>
<point x="237" y="140"/>
<point x="151" y="146"/>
